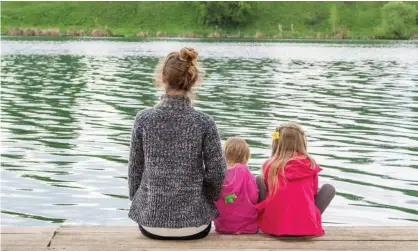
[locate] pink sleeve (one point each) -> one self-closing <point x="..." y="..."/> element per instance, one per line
<point x="252" y="190"/>
<point x="315" y="180"/>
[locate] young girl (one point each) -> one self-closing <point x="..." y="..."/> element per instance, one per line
<point x="237" y="214"/>
<point x="293" y="205"/>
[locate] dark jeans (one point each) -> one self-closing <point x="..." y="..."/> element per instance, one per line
<point x="325" y="194"/>
<point x="197" y="236"/>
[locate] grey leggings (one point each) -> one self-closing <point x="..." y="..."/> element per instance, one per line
<point x="325" y="194"/>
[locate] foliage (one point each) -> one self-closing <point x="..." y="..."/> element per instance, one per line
<point x="180" y="18"/>
<point x="314" y="18"/>
<point x="224" y="14"/>
<point x="398" y="19"/>
<point x="334" y="18"/>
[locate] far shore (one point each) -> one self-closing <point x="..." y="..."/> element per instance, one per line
<point x="102" y="33"/>
<point x="206" y="39"/>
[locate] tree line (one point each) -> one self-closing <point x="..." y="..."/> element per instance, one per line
<point x="399" y="19"/>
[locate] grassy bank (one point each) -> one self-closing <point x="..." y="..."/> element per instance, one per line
<point x="356" y="20"/>
<point x="216" y="40"/>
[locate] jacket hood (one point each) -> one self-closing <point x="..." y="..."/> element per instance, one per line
<point x="233" y="180"/>
<point x="300" y="168"/>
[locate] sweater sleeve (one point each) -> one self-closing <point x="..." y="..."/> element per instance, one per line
<point x="215" y="165"/>
<point x="136" y="159"/>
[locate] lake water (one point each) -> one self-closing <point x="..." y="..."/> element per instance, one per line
<point x="67" y="108"/>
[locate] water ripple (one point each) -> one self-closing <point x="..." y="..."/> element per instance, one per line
<point x="68" y="107"/>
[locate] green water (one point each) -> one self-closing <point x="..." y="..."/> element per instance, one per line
<point x="67" y="108"/>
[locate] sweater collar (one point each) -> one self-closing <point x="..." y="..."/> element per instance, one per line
<point x="177" y="102"/>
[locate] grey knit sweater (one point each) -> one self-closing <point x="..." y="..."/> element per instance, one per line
<point x="176" y="165"/>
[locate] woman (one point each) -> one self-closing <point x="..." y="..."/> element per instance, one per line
<point x="176" y="163"/>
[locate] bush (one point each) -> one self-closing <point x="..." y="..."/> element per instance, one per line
<point x="224" y="14"/>
<point x="334" y="18"/>
<point x="341" y="32"/>
<point x="315" y="18"/>
<point x="398" y="19"/>
<point x="379" y="33"/>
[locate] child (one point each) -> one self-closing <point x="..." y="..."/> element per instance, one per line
<point x="239" y="194"/>
<point x="291" y="179"/>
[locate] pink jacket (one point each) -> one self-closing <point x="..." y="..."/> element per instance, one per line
<point x="292" y="210"/>
<point x="237" y="214"/>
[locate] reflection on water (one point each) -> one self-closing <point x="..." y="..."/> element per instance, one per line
<point x="68" y="107"/>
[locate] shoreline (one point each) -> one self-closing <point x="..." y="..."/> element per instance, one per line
<point x="206" y="39"/>
<point x="106" y="33"/>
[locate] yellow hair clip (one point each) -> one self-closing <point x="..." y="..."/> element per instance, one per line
<point x="275" y="135"/>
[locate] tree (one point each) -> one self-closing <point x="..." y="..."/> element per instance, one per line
<point x="398" y="19"/>
<point x="314" y="18"/>
<point x="334" y="19"/>
<point x="224" y="14"/>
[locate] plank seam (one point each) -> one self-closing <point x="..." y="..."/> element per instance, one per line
<point x="55" y="233"/>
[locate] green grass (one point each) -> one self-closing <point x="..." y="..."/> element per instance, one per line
<point x="361" y="19"/>
<point x="122" y="18"/>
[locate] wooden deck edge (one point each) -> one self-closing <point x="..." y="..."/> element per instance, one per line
<point x="77" y="236"/>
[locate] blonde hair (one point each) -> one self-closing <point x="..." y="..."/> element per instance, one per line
<point x="236" y="151"/>
<point x="180" y="70"/>
<point x="291" y="140"/>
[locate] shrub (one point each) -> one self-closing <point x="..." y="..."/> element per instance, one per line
<point x="341" y="33"/>
<point x="15" y="32"/>
<point x="160" y="34"/>
<point x="224" y="14"/>
<point x="258" y="35"/>
<point x="214" y="35"/>
<point x="142" y="34"/>
<point x="100" y="33"/>
<point x="315" y="18"/>
<point x="398" y="19"/>
<point x="334" y="19"/>
<point x="51" y="32"/>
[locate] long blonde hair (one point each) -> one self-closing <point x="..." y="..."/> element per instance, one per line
<point x="288" y="139"/>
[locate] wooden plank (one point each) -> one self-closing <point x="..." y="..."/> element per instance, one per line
<point x="26" y="241"/>
<point x="96" y="228"/>
<point x="126" y="241"/>
<point x="332" y="234"/>
<point x="27" y="230"/>
<point x="26" y="238"/>
<point x="223" y="249"/>
<point x="124" y="229"/>
<point x="176" y="249"/>
<point x="170" y="249"/>
<point x="21" y="248"/>
<point x="109" y="238"/>
<point x="152" y="245"/>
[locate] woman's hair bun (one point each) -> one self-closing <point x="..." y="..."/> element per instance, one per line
<point x="188" y="54"/>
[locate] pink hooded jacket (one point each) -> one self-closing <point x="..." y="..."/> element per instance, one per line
<point x="292" y="210"/>
<point x="237" y="214"/>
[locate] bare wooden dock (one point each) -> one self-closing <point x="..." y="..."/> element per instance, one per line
<point x="112" y="238"/>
